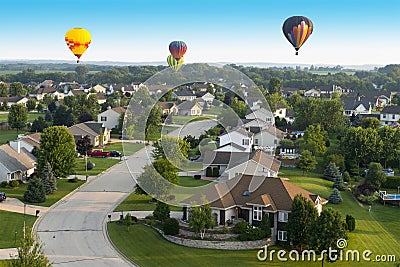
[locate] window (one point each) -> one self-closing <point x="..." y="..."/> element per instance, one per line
<point x="384" y="116"/>
<point x="283" y="216"/>
<point x="245" y="142"/>
<point x="103" y="118"/>
<point x="256" y="141"/>
<point x="282" y="235"/>
<point x="257" y="213"/>
<point x="393" y="116"/>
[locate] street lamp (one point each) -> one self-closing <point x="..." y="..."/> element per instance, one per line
<point x="15" y="238"/>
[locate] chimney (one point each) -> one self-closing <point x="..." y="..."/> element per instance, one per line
<point x="16" y="145"/>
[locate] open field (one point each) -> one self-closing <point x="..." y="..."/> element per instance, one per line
<point x="63" y="188"/>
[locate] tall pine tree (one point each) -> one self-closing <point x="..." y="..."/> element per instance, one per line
<point x="48" y="179"/>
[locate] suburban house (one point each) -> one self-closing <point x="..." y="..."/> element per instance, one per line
<point x="168" y="108"/>
<point x="189" y="108"/>
<point x="253" y="102"/>
<point x="75" y="92"/>
<point x="267" y="139"/>
<point x="184" y="95"/>
<point x="259" y="164"/>
<point x="99" y="88"/>
<point x="99" y="134"/>
<point x="280" y="111"/>
<point x="205" y="96"/>
<point x="290" y="116"/>
<point x="249" y="198"/>
<point x="390" y="115"/>
<point x="110" y="117"/>
<point x="378" y="99"/>
<point x="13" y="100"/>
<point x="231" y="147"/>
<point x="312" y="93"/>
<point x="101" y="98"/>
<point x="31" y="141"/>
<point x="41" y="92"/>
<point x="289" y="91"/>
<point x="356" y="106"/>
<point x="223" y="159"/>
<point x="16" y="163"/>
<point x="239" y="136"/>
<point x="201" y="87"/>
<point x="262" y="114"/>
<point x="252" y="123"/>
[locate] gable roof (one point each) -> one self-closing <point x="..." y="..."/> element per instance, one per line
<point x="265" y="160"/>
<point x="224" y="158"/>
<point x="188" y="105"/>
<point x="84" y="129"/>
<point x="184" y="93"/>
<point x="234" y="145"/>
<point x="119" y="110"/>
<point x="33" y="139"/>
<point x="276" y="193"/>
<point x="15" y="161"/>
<point x="166" y="105"/>
<point x="391" y="110"/>
<point x="241" y="131"/>
<point x="11" y="99"/>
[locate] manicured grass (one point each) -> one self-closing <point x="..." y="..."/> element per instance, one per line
<point x="167" y="128"/>
<point x="377" y="231"/>
<point x="213" y="111"/>
<point x="63" y="188"/>
<point x="11" y="227"/>
<point x="146" y="247"/>
<point x="101" y="164"/>
<point x="140" y="202"/>
<point x="189" y="181"/>
<point x="8" y="135"/>
<point x="126" y="148"/>
<point x="4" y="263"/>
<point x="31" y="116"/>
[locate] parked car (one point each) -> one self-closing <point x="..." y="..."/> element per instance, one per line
<point x="2" y="196"/>
<point x="100" y="153"/>
<point x="115" y="153"/>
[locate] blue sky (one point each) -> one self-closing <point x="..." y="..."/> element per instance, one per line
<point x="345" y="32"/>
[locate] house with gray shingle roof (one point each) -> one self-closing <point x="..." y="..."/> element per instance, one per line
<point x="16" y="163"/>
<point x="249" y="198"/>
<point x="189" y="108"/>
<point x="99" y="134"/>
<point x="390" y="115"/>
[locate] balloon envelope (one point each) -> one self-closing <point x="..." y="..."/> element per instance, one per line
<point x="177" y="49"/>
<point x="297" y="29"/>
<point x="175" y="64"/>
<point x="78" y="40"/>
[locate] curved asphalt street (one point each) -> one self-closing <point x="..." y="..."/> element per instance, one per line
<point x="74" y="231"/>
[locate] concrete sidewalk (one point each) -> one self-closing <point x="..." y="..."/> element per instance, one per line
<point x="16" y="205"/>
<point x="8" y="253"/>
<point x="115" y="216"/>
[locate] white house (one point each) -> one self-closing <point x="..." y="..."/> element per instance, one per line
<point x="280" y="111"/>
<point x="184" y="95"/>
<point x="262" y="114"/>
<point x="239" y="136"/>
<point x="13" y="100"/>
<point x="16" y="163"/>
<point x="268" y="139"/>
<point x="259" y="163"/>
<point x="356" y="106"/>
<point x="390" y="115"/>
<point x="208" y="98"/>
<point x="110" y="117"/>
<point x="312" y="93"/>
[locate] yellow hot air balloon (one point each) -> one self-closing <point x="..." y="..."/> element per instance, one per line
<point x="175" y="64"/>
<point x="78" y="40"/>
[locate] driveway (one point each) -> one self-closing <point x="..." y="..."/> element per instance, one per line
<point x="74" y="231"/>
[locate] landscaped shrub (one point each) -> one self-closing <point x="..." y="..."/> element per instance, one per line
<point x="265" y="225"/>
<point x="255" y="233"/>
<point x="73" y="180"/>
<point x="3" y="184"/>
<point x="392" y="182"/>
<point x="365" y="189"/>
<point x="368" y="199"/>
<point x="240" y="227"/>
<point x="335" y="197"/>
<point x="215" y="172"/>
<point x="35" y="192"/>
<point x="350" y="223"/>
<point x="161" y="212"/>
<point x="197" y="176"/>
<point x="171" y="226"/>
<point x="89" y="165"/>
<point x="209" y="172"/>
<point x="346" y="176"/>
<point x="14" y="184"/>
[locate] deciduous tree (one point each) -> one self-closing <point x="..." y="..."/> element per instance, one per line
<point x="18" y="116"/>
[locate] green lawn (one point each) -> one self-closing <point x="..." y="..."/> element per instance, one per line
<point x="146" y="247"/>
<point x="189" y="181"/>
<point x="31" y="116"/>
<point x="11" y="225"/>
<point x="63" y="188"/>
<point x="101" y="164"/>
<point x="126" y="148"/>
<point x="213" y="111"/>
<point x="140" y="202"/>
<point x="4" y="263"/>
<point x="8" y="135"/>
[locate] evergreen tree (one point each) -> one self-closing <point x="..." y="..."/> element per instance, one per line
<point x="335" y="197"/>
<point x="48" y="179"/>
<point x="265" y="225"/>
<point x="338" y="182"/>
<point x="331" y="172"/>
<point x="303" y="214"/>
<point x="39" y="124"/>
<point x="350" y="223"/>
<point x="161" y="212"/>
<point x="35" y="192"/>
